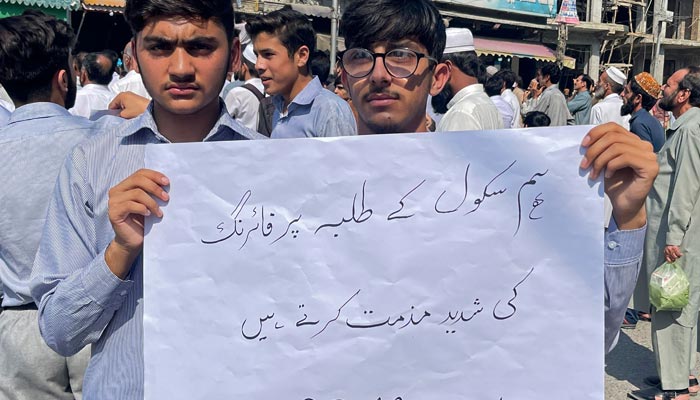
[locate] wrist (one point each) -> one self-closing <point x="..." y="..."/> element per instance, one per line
<point x="630" y="220"/>
<point x="120" y="258"/>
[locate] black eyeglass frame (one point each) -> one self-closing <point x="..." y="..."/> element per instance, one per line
<point x="418" y="54"/>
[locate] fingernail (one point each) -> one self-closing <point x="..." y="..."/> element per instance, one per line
<point x="586" y="141"/>
<point x="164" y="195"/>
<point x="148" y="212"/>
<point x="608" y="174"/>
<point x="165" y="181"/>
<point x="584" y="162"/>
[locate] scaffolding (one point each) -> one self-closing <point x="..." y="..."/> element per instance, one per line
<point x="634" y="34"/>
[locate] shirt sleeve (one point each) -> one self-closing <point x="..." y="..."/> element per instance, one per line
<point x="75" y="291"/>
<point x="578" y="103"/>
<point x="336" y="119"/>
<point x="623" y="258"/>
<point x="595" y="116"/>
<point x="686" y="186"/>
<point x="458" y="121"/>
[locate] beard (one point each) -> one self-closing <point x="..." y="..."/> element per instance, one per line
<point x="667" y="103"/>
<point x="599" y="92"/>
<point x="440" y="101"/>
<point x="627" y="108"/>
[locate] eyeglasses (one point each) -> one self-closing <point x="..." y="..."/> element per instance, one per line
<point x="399" y="63"/>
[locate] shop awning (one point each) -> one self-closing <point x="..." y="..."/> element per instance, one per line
<point x="104" y="5"/>
<point x="57" y="4"/>
<point x="506" y="48"/>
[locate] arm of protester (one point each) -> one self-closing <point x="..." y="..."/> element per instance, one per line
<point x="630" y="169"/>
<point x="130" y="104"/>
<point x="75" y="291"/>
<point x="686" y="186"/>
<point x="129" y="202"/>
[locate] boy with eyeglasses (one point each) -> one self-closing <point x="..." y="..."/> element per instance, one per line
<point x="284" y="41"/>
<point x="390" y="95"/>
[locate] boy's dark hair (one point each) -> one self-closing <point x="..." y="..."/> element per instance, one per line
<point x="468" y="62"/>
<point x="536" y="118"/>
<point x="509" y="77"/>
<point x="139" y="12"/>
<point x="553" y="71"/>
<point x="100" y="73"/>
<point x="692" y="82"/>
<point x="588" y="81"/>
<point x="292" y="28"/>
<point x="365" y="22"/>
<point x="494" y="85"/>
<point x="648" y="101"/>
<point x="33" y="47"/>
<point x="321" y="66"/>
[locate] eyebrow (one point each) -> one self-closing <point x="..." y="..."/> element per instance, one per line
<point x="186" y="42"/>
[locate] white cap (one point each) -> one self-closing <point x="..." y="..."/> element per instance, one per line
<point x="242" y="35"/>
<point x="249" y="54"/>
<point x="491" y="70"/>
<point x="616" y="75"/>
<point x="458" y="40"/>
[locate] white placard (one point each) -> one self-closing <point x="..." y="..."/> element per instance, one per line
<point x="464" y="265"/>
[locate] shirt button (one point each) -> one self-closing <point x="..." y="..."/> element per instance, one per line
<point x="612" y="245"/>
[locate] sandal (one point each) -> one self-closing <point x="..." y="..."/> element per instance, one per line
<point x="693" y="385"/>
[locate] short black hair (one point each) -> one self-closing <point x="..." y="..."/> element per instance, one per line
<point x="100" y="73"/>
<point x="536" y="118"/>
<point x="291" y="27"/>
<point x="494" y="85"/>
<point x="138" y="12"/>
<point x="365" y="22"/>
<point x="468" y="62"/>
<point x="587" y="80"/>
<point x="553" y="71"/>
<point x="509" y="77"/>
<point x="648" y="101"/>
<point x="33" y="47"/>
<point x="321" y="65"/>
<point x="691" y="82"/>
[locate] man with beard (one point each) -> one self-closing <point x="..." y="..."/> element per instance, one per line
<point x="672" y="237"/>
<point x="470" y="108"/>
<point x="639" y="96"/>
<point x="607" y="90"/>
<point x="35" y="69"/>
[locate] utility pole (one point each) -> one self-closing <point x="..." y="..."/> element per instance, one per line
<point x="334" y="35"/>
<point x="659" y="33"/>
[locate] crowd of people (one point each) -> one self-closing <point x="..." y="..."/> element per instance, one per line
<point x="75" y="190"/>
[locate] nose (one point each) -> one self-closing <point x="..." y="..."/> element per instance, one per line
<point x="379" y="76"/>
<point x="181" y="68"/>
<point x="260" y="65"/>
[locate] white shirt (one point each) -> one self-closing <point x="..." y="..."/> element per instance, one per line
<point x="91" y="98"/>
<point x="469" y="110"/>
<point x="512" y="99"/>
<point x="4" y="119"/>
<point x="506" y="111"/>
<point x="242" y="104"/>
<point x="131" y="82"/>
<point x="608" y="110"/>
<point x="5" y="100"/>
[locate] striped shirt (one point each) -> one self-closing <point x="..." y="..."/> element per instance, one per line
<point x="80" y="300"/>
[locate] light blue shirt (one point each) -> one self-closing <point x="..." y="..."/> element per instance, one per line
<point x="314" y="112"/>
<point x="4" y="116"/>
<point x="33" y="146"/>
<point x="80" y="300"/>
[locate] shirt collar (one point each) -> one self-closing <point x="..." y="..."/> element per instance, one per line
<point x="33" y="111"/>
<point x="305" y="97"/>
<point x="692" y="113"/>
<point x="464" y="92"/>
<point x="145" y="122"/>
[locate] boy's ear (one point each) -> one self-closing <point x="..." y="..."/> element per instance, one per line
<point x="302" y="57"/>
<point x="235" y="62"/>
<point x="441" y="75"/>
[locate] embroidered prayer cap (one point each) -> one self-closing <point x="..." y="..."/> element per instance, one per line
<point x="458" y="40"/>
<point x="249" y="54"/>
<point x="648" y="84"/>
<point x="616" y="75"/>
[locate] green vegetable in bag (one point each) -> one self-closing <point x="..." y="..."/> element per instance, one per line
<point x="669" y="287"/>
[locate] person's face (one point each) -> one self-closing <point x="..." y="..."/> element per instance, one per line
<point x="629" y="100"/>
<point x="277" y="70"/>
<point x="386" y="104"/>
<point x="183" y="63"/>
<point x="341" y="91"/>
<point x="579" y="83"/>
<point x="601" y="86"/>
<point x="541" y="79"/>
<point x="671" y="92"/>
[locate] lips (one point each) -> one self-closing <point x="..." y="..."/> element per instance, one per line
<point x="381" y="99"/>
<point x="181" y="90"/>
